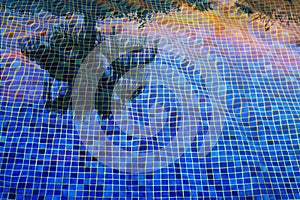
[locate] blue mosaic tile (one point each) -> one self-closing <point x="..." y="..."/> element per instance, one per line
<point x="255" y="156"/>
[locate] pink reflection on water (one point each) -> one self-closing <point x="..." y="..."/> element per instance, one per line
<point x="20" y="80"/>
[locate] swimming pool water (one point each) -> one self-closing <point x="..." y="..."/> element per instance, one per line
<point x="252" y="107"/>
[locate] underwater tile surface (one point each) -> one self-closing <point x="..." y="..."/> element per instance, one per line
<point x="218" y="118"/>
